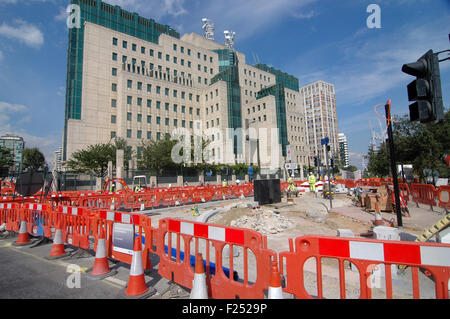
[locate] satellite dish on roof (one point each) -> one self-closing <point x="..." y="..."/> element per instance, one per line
<point x="29" y="183"/>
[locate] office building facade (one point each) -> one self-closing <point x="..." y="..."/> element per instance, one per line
<point x="343" y="149"/>
<point x="319" y="103"/>
<point x="133" y="78"/>
<point x="16" y="146"/>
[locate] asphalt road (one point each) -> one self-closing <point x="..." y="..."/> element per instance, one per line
<point x="26" y="276"/>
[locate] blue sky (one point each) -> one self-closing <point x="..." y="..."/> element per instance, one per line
<point x="310" y="39"/>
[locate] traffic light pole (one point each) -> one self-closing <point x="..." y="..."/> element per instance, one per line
<point x="393" y="164"/>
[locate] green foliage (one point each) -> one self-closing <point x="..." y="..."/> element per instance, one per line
<point x="93" y="160"/>
<point x="33" y="160"/>
<point x="157" y="155"/>
<point x="418" y="144"/>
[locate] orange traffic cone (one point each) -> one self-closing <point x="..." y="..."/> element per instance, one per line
<point x="136" y="283"/>
<point x="199" y="289"/>
<point x="275" y="290"/>
<point x="58" y="244"/>
<point x="378" y="218"/>
<point x="23" y="239"/>
<point x="101" y="267"/>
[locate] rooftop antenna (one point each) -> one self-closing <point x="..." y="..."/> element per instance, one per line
<point x="208" y="29"/>
<point x="229" y="39"/>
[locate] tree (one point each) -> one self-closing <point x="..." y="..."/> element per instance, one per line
<point x="33" y="159"/>
<point x="93" y="160"/>
<point x="418" y="144"/>
<point x="156" y="155"/>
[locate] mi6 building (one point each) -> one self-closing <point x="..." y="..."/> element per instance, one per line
<point x="130" y="77"/>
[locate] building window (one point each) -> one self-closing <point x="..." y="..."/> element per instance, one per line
<point x="113" y="134"/>
<point x="174" y="47"/>
<point x="143" y="50"/>
<point x="139" y="86"/>
<point x="175" y="107"/>
<point x="183" y="109"/>
<point x="175" y="59"/>
<point x="113" y="119"/>
<point x="149" y="118"/>
<point x="175" y="92"/>
<point x="114" y="87"/>
<point x="166" y="91"/>
<point x="139" y="101"/>
<point x="129" y="100"/>
<point x="167" y="106"/>
<point x="158" y="104"/>
<point x="129" y="84"/>
<point x="158" y="135"/>
<point x="151" y="52"/>
<point x="166" y="121"/>
<point x="133" y="47"/>
<point x="113" y="103"/>
<point x="129" y="116"/>
<point x="114" y="41"/>
<point x="175" y="122"/>
<point x="149" y="87"/>
<point x="149" y="135"/>
<point x="114" y="56"/>
<point x="159" y="55"/>
<point x="129" y="133"/>
<point x="167" y="57"/>
<point x="158" y="120"/>
<point x="149" y="103"/>
<point x="182" y="49"/>
<point x="124" y="44"/>
<point x="139" y="134"/>
<point x="189" y="51"/>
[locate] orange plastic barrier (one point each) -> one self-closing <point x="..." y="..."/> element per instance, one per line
<point x="76" y="226"/>
<point x="404" y="190"/>
<point x="39" y="217"/>
<point x="365" y="254"/>
<point x="178" y="269"/>
<point x="424" y="194"/>
<point x="107" y="219"/>
<point x="443" y="196"/>
<point x="11" y="214"/>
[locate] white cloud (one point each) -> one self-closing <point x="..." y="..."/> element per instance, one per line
<point x="23" y="32"/>
<point x="13" y="115"/>
<point x="367" y="64"/>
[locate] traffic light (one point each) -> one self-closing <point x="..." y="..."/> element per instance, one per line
<point x="315" y="161"/>
<point x="425" y="90"/>
<point x="332" y="162"/>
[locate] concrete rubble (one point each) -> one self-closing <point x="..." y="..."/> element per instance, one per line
<point x="264" y="221"/>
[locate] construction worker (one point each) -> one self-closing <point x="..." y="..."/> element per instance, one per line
<point x="195" y="211"/>
<point x="290" y="179"/>
<point x="312" y="182"/>
<point x="224" y="183"/>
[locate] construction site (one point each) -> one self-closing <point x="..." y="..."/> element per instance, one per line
<point x="185" y="242"/>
